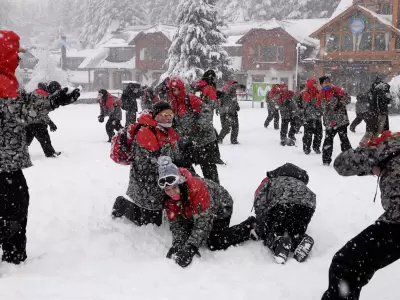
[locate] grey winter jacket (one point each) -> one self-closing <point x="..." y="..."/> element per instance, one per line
<point x="289" y="109"/>
<point x="335" y="111"/>
<point x="229" y="103"/>
<point x="386" y="155"/>
<point x="362" y="103"/>
<point x="15" y="115"/>
<point x="312" y="110"/>
<point x="196" y="229"/>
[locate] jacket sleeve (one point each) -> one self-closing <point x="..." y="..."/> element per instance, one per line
<point x="30" y="108"/>
<point x="202" y="227"/>
<point x="180" y="232"/>
<point x="357" y="161"/>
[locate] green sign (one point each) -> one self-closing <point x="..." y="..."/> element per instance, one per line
<point x="260" y="90"/>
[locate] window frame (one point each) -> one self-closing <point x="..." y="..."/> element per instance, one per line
<point x="257" y="54"/>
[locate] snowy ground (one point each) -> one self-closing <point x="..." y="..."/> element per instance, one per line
<point x="78" y="252"/>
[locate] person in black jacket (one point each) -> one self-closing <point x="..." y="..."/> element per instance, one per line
<point x="129" y="103"/>
<point x="361" y="110"/>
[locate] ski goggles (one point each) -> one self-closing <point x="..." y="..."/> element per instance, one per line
<point x="170" y="180"/>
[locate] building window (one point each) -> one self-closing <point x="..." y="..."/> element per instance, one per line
<point x="397" y="42"/>
<point x="268" y="54"/>
<point x="121" y="54"/>
<point x="234" y="51"/>
<point x="332" y="42"/>
<point x="153" y="54"/>
<point x="347" y="42"/>
<point x="382" y="41"/>
<point x="365" y="41"/>
<point x="385" y="9"/>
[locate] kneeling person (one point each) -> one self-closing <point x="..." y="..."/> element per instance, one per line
<point x="199" y="211"/>
<point x="284" y="206"/>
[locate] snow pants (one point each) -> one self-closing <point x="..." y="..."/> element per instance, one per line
<point x="41" y="133"/>
<point x="357" y="121"/>
<point x="140" y="216"/>
<point x="14" y="202"/>
<point x="222" y="236"/>
<point x="285" y="128"/>
<point x="206" y="156"/>
<point x="330" y="134"/>
<point x="273" y="114"/>
<point x="312" y="128"/>
<point x="229" y="122"/>
<point x="292" y="219"/>
<point x="111" y="125"/>
<point x="130" y="118"/>
<point x="355" y="264"/>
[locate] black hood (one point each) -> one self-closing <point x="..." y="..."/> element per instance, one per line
<point x="289" y="170"/>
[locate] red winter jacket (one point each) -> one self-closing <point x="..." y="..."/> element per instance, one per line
<point x="198" y="197"/>
<point x="207" y="91"/>
<point x="178" y="103"/>
<point x="327" y="95"/>
<point x="146" y="138"/>
<point x="312" y="92"/>
<point x="284" y="94"/>
<point x="9" y="59"/>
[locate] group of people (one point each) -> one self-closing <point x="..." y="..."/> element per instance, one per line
<point x="323" y="104"/>
<point x="161" y="148"/>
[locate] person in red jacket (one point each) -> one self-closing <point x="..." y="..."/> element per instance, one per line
<point x="333" y="100"/>
<point x="199" y="211"/>
<point x="110" y="107"/>
<point x="145" y="141"/>
<point x="312" y="115"/>
<point x="194" y="122"/>
<point x="39" y="129"/>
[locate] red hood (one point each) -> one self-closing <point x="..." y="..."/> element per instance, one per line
<point x="383" y="137"/>
<point x="178" y="102"/>
<point x="147" y="119"/>
<point x="327" y="95"/>
<point x="201" y="84"/>
<point x="9" y="47"/>
<point x="311" y="92"/>
<point x="41" y="92"/>
<point x="228" y="85"/>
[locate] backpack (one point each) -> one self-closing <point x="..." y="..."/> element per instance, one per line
<point x="289" y="170"/>
<point x="121" y="144"/>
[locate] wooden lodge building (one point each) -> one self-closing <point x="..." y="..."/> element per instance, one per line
<point x="359" y="43"/>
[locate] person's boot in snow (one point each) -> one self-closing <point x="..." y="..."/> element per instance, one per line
<point x="282" y="249"/>
<point x="119" y="208"/>
<point x="8" y="230"/>
<point x="303" y="249"/>
<point x="55" y="154"/>
<point x="317" y="151"/>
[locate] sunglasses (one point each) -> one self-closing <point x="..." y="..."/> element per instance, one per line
<point x="168" y="181"/>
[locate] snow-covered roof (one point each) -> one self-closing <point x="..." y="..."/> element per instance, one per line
<point x="381" y="18"/>
<point x="343" y="6"/>
<point x="130" y="64"/>
<point x="299" y="29"/>
<point x="79" y="53"/>
<point x="231" y="41"/>
<point x="78" y="76"/>
<point x="167" y="30"/>
<point x="98" y="56"/>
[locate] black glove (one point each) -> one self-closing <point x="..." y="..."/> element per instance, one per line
<point x="53" y="127"/>
<point x="185" y="255"/>
<point x="62" y="98"/>
<point x="101" y="119"/>
<point x="172" y="251"/>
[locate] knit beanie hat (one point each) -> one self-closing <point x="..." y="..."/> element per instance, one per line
<point x="167" y="168"/>
<point x="160" y="107"/>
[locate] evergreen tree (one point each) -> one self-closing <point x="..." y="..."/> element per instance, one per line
<point x="197" y="44"/>
<point x="163" y="11"/>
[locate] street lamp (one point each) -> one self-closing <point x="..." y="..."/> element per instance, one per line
<point x="298" y="48"/>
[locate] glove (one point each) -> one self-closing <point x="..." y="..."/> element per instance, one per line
<point x="53" y="127"/>
<point x="172" y="251"/>
<point x="101" y="119"/>
<point x="185" y="255"/>
<point x="62" y="98"/>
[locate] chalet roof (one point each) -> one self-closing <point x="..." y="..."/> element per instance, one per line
<point x="299" y="29"/>
<point x="384" y="20"/>
<point x="79" y="53"/>
<point x="167" y="30"/>
<point x="343" y="6"/>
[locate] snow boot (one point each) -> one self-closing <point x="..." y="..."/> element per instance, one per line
<point x="307" y="151"/>
<point x="54" y="155"/>
<point x="303" y="249"/>
<point x="8" y="230"/>
<point x="283" y="142"/>
<point x="120" y="207"/>
<point x="282" y="249"/>
<point x="317" y="151"/>
<point x="352" y="129"/>
<point x="235" y="143"/>
<point x="290" y="142"/>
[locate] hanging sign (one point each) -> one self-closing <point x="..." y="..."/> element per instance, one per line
<point x="357" y="25"/>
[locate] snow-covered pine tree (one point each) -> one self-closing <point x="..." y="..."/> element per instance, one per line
<point x="197" y="44"/>
<point x="163" y="11"/>
<point x="46" y="70"/>
<point x="235" y="10"/>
